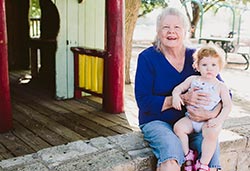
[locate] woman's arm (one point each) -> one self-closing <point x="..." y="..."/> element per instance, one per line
<point x="167" y="104"/>
<point x="195" y="113"/>
<point x="147" y="101"/>
<point x="200" y="114"/>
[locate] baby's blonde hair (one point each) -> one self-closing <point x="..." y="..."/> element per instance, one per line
<point x="209" y="50"/>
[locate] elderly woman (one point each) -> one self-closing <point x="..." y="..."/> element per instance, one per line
<point x="160" y="68"/>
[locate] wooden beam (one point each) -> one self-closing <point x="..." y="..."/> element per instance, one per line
<point x="113" y="100"/>
<point x="5" y="105"/>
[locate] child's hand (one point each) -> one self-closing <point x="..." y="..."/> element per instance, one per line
<point x="177" y="103"/>
<point x="196" y="98"/>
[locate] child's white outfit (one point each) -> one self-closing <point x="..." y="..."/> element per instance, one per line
<point x="214" y="96"/>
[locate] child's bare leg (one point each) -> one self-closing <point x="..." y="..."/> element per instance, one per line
<point x="182" y="129"/>
<point x="210" y="136"/>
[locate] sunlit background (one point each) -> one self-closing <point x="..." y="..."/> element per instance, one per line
<point x="214" y="24"/>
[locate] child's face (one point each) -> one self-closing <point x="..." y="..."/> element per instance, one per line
<point x="209" y="67"/>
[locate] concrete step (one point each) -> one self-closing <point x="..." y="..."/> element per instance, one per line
<point x="127" y="152"/>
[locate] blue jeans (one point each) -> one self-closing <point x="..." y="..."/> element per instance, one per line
<point x="166" y="145"/>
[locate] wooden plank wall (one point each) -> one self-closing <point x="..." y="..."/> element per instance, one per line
<point x="92" y="24"/>
<point x="81" y="25"/>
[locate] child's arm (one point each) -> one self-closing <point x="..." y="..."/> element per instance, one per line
<point x="226" y="103"/>
<point x="177" y="102"/>
<point x="226" y="106"/>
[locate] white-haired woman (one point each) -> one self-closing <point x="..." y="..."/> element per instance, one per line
<point x="160" y="68"/>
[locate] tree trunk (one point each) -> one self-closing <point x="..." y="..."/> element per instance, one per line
<point x="196" y="18"/>
<point x="132" y="9"/>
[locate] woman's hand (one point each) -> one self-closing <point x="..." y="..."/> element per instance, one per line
<point x="197" y="114"/>
<point x="195" y="98"/>
<point x="200" y="114"/>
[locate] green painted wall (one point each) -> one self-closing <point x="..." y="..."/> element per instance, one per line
<point x="80" y="25"/>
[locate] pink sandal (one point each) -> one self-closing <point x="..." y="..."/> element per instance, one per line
<point x="190" y="159"/>
<point x="201" y="167"/>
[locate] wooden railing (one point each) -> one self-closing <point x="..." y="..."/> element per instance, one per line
<point x="34" y="27"/>
<point x="88" y="71"/>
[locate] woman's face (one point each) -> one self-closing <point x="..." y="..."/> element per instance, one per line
<point x="171" y="32"/>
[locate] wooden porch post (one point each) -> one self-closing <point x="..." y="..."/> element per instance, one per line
<point x="113" y="100"/>
<point x="5" y="106"/>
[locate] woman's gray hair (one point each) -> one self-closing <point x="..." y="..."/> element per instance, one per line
<point x="171" y="11"/>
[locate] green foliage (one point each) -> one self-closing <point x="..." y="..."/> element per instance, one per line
<point x="148" y="6"/>
<point x="35" y="11"/>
